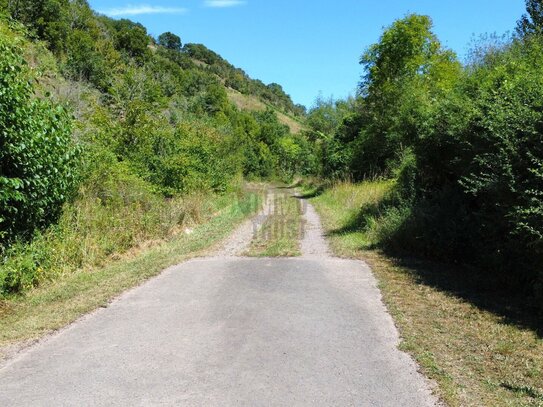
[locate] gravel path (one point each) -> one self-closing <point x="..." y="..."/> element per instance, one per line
<point x="313" y="242"/>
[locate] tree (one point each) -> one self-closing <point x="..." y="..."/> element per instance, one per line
<point x="47" y="18"/>
<point x="170" y="41"/>
<point x="405" y="71"/>
<point x="132" y="39"/>
<point x="531" y="23"/>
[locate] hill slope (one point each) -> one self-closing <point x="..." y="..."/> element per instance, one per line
<point x="138" y="126"/>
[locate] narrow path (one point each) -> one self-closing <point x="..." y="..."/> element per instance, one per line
<point x="230" y="331"/>
<point x="313" y="242"/>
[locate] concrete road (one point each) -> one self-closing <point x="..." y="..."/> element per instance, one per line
<point x="228" y="332"/>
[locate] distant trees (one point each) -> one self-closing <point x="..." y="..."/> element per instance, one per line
<point x="237" y="79"/>
<point x="202" y="53"/>
<point x="170" y="41"/>
<point x="333" y="130"/>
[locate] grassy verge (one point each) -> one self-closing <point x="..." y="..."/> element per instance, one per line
<point x="55" y="304"/>
<point x="482" y="349"/>
<point x="279" y="236"/>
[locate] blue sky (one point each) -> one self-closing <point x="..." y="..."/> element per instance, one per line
<point x="309" y="47"/>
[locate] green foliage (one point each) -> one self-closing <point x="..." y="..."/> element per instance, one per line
<point x="406" y="71"/>
<point x="478" y="181"/>
<point x="154" y="124"/>
<point x="132" y="39"/>
<point x="85" y="61"/>
<point x="48" y="18"/>
<point x="170" y="41"/>
<point x="334" y="128"/>
<point x="531" y="23"/>
<point x="37" y="157"/>
<point x="464" y="146"/>
<point x="204" y="160"/>
<point x="114" y="212"/>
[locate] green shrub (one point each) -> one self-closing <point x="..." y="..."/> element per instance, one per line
<point x="38" y="159"/>
<point x="204" y="160"/>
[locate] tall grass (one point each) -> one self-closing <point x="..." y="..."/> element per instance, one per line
<point x="109" y="218"/>
<point x="364" y="208"/>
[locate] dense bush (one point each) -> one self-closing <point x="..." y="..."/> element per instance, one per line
<point x="115" y="211"/>
<point x="495" y="165"/>
<point x="38" y="160"/>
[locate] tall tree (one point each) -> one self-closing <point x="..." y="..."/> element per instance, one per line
<point x="132" y="39"/>
<point x="170" y="40"/>
<point x="531" y="23"/>
<point x="403" y="70"/>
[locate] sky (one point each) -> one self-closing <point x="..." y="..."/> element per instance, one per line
<point x="311" y="48"/>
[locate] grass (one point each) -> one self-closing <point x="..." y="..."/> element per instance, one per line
<point x="53" y="305"/>
<point x="480" y="347"/>
<point x="252" y="103"/>
<point x="280" y="234"/>
<point x="114" y="213"/>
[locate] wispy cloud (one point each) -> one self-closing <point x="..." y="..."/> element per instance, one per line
<point x="135" y="10"/>
<point x="224" y="3"/>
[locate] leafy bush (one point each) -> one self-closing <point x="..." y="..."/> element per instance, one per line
<point x="204" y="160"/>
<point x="38" y="159"/>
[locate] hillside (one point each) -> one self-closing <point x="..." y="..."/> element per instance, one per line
<point x="253" y="103"/>
<point x="108" y="133"/>
<point x="236" y="79"/>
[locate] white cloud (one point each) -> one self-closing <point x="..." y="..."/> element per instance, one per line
<point x="135" y="10"/>
<point x="224" y="3"/>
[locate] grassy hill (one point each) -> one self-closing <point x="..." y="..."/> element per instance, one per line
<point x="254" y="104"/>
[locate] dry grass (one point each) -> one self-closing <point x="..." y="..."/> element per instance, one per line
<point x="252" y="103"/>
<point x="478" y="356"/>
